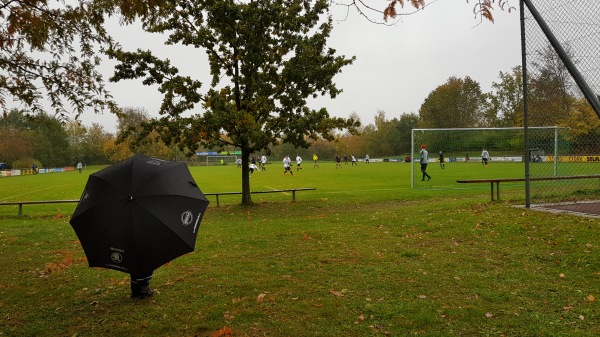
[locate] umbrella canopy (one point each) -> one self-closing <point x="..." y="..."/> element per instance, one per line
<point x="139" y="214"/>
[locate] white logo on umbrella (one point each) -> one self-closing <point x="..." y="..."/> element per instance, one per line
<point x="116" y="257"/>
<point x="187" y="218"/>
<point x="156" y="162"/>
<point x="85" y="196"/>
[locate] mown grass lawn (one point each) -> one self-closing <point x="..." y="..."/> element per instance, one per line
<point x="363" y="255"/>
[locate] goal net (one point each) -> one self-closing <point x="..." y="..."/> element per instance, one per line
<point x="214" y="160"/>
<point x="504" y="145"/>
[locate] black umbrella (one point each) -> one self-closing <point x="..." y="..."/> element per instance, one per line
<point x="139" y="214"/>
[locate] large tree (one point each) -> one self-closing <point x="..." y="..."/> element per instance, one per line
<point x="15" y="142"/>
<point x="41" y="137"/>
<point x="406" y="123"/>
<point x="267" y="59"/>
<point x="48" y="53"/>
<point x="506" y="98"/>
<point x="133" y="138"/>
<point x="551" y="91"/>
<point x="87" y="143"/>
<point x="458" y="103"/>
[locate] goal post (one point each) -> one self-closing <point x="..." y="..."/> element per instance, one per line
<point x="216" y="160"/>
<point x="504" y="145"/>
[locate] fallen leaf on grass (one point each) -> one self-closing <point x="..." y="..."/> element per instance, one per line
<point x="223" y="332"/>
<point x="336" y="293"/>
<point x="228" y="316"/>
<point x="237" y="300"/>
<point x="261" y="297"/>
<point x="591" y="298"/>
<point x="360" y="319"/>
<point x="489" y="315"/>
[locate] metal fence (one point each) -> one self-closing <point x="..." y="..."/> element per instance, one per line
<point x="562" y="67"/>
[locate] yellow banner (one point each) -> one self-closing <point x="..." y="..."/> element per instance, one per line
<point x="580" y="159"/>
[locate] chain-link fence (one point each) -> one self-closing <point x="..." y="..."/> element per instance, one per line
<point x="562" y="40"/>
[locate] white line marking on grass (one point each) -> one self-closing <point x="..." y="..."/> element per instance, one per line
<point x="32" y="191"/>
<point x="273" y="189"/>
<point x="370" y="190"/>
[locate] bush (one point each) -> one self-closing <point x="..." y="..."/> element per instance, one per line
<point x="26" y="162"/>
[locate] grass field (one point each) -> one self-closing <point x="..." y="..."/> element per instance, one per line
<point x="363" y="255"/>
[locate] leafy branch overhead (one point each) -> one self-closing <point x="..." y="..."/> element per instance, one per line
<point x="483" y="9"/>
<point x="69" y="38"/>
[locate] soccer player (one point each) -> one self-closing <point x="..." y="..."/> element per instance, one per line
<point x="315" y="158"/>
<point x="485" y="156"/>
<point x="287" y="165"/>
<point x="298" y="162"/>
<point x="441" y="157"/>
<point x="354" y="162"/>
<point x="338" y="161"/>
<point x="263" y="162"/>
<point x="424" y="160"/>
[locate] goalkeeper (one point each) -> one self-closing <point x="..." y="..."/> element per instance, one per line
<point x="423" y="161"/>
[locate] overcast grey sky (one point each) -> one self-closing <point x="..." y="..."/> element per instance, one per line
<point x="396" y="66"/>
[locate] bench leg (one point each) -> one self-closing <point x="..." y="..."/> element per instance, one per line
<point x="293" y="195"/>
<point x="217" y="200"/>
<point x="498" y="190"/>
<point x="492" y="186"/>
<point x="20" y="209"/>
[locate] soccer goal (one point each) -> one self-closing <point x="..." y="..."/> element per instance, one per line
<point x="505" y="145"/>
<point x="214" y="160"/>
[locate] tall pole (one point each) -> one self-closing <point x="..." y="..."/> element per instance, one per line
<point x="526" y="156"/>
<point x="412" y="158"/>
<point x="555" y="151"/>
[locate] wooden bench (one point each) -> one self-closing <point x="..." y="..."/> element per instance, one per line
<point x="293" y="190"/>
<point x="21" y="203"/>
<point x="503" y="180"/>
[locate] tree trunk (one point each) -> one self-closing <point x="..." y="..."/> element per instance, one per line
<point x="246" y="196"/>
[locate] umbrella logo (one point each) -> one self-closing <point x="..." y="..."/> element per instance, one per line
<point x="116" y="257"/>
<point x="187" y="218"/>
<point x="85" y="196"/>
<point x="154" y="162"/>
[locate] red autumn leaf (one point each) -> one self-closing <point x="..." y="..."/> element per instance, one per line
<point x="223" y="332"/>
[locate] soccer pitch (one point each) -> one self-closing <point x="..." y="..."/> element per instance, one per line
<point x="372" y="182"/>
